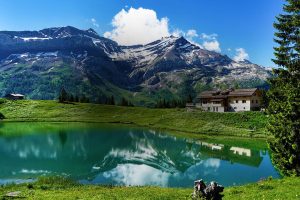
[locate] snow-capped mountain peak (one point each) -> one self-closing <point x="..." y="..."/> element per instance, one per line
<point x="163" y="63"/>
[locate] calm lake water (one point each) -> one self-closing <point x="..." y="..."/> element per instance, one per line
<point x="102" y="154"/>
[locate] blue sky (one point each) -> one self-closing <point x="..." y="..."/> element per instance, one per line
<point x="241" y="27"/>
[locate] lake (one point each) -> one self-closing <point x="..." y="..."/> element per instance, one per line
<point x="110" y="154"/>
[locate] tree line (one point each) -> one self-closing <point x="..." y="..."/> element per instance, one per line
<point x="65" y="97"/>
<point x="174" y="103"/>
<point x="163" y="103"/>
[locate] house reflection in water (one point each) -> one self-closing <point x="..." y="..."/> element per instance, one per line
<point x="241" y="151"/>
<point x="233" y="154"/>
<point x="213" y="146"/>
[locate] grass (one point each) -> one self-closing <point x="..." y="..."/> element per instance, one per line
<point x="231" y="128"/>
<point x="61" y="188"/>
<point x="246" y="124"/>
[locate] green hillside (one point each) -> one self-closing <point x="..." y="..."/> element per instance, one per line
<point x="246" y="124"/>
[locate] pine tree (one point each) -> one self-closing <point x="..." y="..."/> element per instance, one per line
<point x="110" y="101"/>
<point x="99" y="100"/>
<point x="190" y="99"/>
<point x="2" y="116"/>
<point x="124" y="102"/>
<point x="130" y="104"/>
<point x="84" y="99"/>
<point x="62" y="95"/>
<point x="186" y="91"/>
<point x="158" y="104"/>
<point x="71" y="98"/>
<point x="284" y="94"/>
<point x="76" y="99"/>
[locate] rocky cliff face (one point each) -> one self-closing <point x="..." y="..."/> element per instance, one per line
<point x="38" y="63"/>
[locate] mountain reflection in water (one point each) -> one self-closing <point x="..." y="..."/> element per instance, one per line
<point x="102" y="154"/>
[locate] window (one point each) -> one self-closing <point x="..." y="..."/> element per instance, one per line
<point x="217" y="109"/>
<point x="252" y="101"/>
<point x="234" y="108"/>
<point x="236" y="101"/>
<point x="208" y="108"/>
<point x="244" y="101"/>
<point x="204" y="102"/>
<point x="256" y="101"/>
<point x="244" y="108"/>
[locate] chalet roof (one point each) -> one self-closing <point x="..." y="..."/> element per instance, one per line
<point x="212" y="94"/>
<point x="227" y="93"/>
<point x="242" y="92"/>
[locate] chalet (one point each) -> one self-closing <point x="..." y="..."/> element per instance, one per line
<point x="230" y="100"/>
<point x="14" y="96"/>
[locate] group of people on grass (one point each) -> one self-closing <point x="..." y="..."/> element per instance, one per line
<point x="210" y="192"/>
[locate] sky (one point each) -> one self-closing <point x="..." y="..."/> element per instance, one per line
<point x="241" y="29"/>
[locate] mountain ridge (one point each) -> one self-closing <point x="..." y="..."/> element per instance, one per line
<point x="98" y="66"/>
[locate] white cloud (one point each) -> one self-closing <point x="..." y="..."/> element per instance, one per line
<point x="241" y="55"/>
<point x="212" y="45"/>
<point x="142" y="26"/>
<point x="210" y="42"/>
<point x="212" y="163"/>
<point x="191" y="33"/>
<point x="178" y="33"/>
<point x="134" y="174"/>
<point x="137" y="26"/>
<point x="94" y="22"/>
<point x="205" y="36"/>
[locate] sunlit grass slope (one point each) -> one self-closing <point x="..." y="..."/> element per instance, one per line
<point x="235" y="124"/>
<point x="58" y="188"/>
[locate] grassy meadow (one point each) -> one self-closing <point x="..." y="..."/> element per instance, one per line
<point x="60" y="188"/>
<point x="226" y="128"/>
<point x="247" y="124"/>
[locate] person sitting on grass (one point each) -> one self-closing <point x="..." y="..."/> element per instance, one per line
<point x="199" y="187"/>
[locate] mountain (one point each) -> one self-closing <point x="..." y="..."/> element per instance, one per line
<point x="39" y="63"/>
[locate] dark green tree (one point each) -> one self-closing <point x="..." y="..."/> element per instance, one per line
<point x="110" y="100"/>
<point x="158" y="104"/>
<point x="130" y="104"/>
<point x="284" y="94"/>
<point x="236" y="85"/>
<point x="2" y="116"/>
<point x="186" y="90"/>
<point x="71" y="98"/>
<point x="189" y="99"/>
<point x="124" y="102"/>
<point x="76" y="98"/>
<point x="84" y="99"/>
<point x="63" y="95"/>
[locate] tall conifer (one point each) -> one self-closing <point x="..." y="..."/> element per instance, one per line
<point x="284" y="94"/>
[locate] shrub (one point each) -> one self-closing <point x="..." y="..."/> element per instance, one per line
<point x="2" y="116"/>
<point x="2" y="101"/>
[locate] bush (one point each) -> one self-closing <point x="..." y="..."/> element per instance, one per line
<point x="2" y="101"/>
<point x="2" y="116"/>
